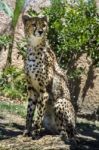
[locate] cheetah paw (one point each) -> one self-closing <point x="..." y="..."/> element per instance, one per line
<point x="27" y="133"/>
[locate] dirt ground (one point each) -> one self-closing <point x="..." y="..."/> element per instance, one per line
<point x="12" y="126"/>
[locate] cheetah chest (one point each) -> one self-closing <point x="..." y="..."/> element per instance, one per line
<point x="35" y="70"/>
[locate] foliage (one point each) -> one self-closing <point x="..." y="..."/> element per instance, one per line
<point x="4" y="41"/>
<point x="13" y="83"/>
<point x="18" y="9"/>
<point x="14" y="15"/>
<point x="12" y="80"/>
<point x="22" y="47"/>
<point x="4" y="7"/>
<point x="73" y="30"/>
<point x="18" y="109"/>
<point x="76" y="73"/>
<point x="32" y="13"/>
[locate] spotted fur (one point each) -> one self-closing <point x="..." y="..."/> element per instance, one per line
<point x="47" y="89"/>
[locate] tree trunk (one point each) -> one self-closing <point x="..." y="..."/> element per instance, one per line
<point x="9" y="56"/>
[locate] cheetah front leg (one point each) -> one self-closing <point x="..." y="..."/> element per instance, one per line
<point x="32" y="100"/>
<point x="41" y="106"/>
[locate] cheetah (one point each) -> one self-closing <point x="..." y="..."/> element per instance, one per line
<point x="47" y="88"/>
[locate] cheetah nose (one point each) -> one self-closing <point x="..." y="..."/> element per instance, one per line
<point x="40" y="32"/>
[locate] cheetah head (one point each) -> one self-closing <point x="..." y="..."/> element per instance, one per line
<point x="35" y="29"/>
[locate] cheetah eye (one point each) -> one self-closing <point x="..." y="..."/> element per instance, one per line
<point x="44" y="25"/>
<point x="34" y="24"/>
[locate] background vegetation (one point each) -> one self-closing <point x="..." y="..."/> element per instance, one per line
<point x="73" y="31"/>
<point x="12" y="83"/>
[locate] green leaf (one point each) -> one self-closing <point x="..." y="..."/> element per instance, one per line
<point x="18" y="8"/>
<point x="4" y="7"/>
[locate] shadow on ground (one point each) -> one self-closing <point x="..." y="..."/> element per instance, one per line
<point x="88" y="139"/>
<point x="10" y="130"/>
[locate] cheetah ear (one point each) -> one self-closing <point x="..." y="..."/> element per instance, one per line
<point x="46" y="18"/>
<point x="25" y="18"/>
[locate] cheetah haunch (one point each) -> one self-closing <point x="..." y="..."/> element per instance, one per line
<point x="47" y="88"/>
